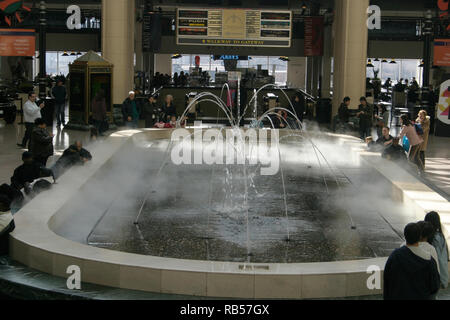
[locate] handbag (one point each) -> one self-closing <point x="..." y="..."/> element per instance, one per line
<point x="405" y="143"/>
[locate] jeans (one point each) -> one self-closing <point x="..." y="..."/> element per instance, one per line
<point x="132" y="124"/>
<point x="365" y="132"/>
<point x="414" y="156"/>
<point x="60" y="115"/>
<point x="29" y="126"/>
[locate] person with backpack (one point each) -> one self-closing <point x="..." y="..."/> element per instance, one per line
<point x="410" y="131"/>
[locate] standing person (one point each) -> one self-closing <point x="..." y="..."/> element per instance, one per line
<point x="151" y="111"/>
<point x="424" y="120"/>
<point x="279" y="120"/>
<point x="31" y="111"/>
<point x="426" y="236"/>
<point x="99" y="111"/>
<point x="131" y="112"/>
<point x="41" y="142"/>
<point x="439" y="243"/>
<point x="365" y="119"/>
<point x="415" y="141"/>
<point x="299" y="106"/>
<point x="59" y="93"/>
<point x="343" y="112"/>
<point x="168" y="109"/>
<point x="410" y="273"/>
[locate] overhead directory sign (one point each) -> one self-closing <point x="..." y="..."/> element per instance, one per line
<point x="17" y="42"/>
<point x="234" y="27"/>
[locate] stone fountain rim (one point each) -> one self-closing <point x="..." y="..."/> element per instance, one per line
<point x="37" y="246"/>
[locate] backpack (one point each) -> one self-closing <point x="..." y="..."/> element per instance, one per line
<point x="419" y="129"/>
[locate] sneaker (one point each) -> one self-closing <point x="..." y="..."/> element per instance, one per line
<point x="20" y="145"/>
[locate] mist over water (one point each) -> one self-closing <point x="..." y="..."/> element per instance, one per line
<point x="232" y="212"/>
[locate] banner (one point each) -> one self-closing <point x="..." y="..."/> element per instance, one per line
<point x="17" y="42"/>
<point x="442" y="52"/>
<point x="443" y="107"/>
<point x="313" y="36"/>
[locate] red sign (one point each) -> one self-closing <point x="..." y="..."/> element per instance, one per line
<point x="442" y="52"/>
<point x="314" y="36"/>
<point x="17" y="42"/>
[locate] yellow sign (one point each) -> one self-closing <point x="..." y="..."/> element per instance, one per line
<point x="233" y="24"/>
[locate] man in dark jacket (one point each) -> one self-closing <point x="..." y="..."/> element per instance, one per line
<point x="69" y="158"/>
<point x="131" y="110"/>
<point x="74" y="155"/>
<point x="60" y="93"/>
<point x="151" y="111"/>
<point x="395" y="151"/>
<point x="299" y="106"/>
<point x="386" y="139"/>
<point x="365" y="119"/>
<point x="29" y="171"/>
<point x="410" y="272"/>
<point x="343" y="112"/>
<point x="41" y="143"/>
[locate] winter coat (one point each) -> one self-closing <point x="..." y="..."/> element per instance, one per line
<point x="127" y="108"/>
<point x="41" y="143"/>
<point x="426" y="132"/>
<point x="408" y="276"/>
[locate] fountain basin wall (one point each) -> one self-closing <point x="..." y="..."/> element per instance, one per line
<point x="37" y="241"/>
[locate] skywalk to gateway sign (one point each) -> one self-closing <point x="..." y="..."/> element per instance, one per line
<point x="234" y="27"/>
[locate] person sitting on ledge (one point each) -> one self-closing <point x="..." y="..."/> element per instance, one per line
<point x="168" y="109"/>
<point x="84" y="154"/>
<point x="73" y="155"/>
<point x="29" y="171"/>
<point x="16" y="198"/>
<point x="386" y="139"/>
<point x="6" y="223"/>
<point x="410" y="273"/>
<point x="395" y="151"/>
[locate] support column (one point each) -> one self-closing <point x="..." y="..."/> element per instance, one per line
<point x="163" y="63"/>
<point x="317" y="63"/>
<point x="118" y="44"/>
<point x="350" y="51"/>
<point x="296" y="72"/>
<point x="138" y="47"/>
<point x="309" y="74"/>
<point x="326" y="63"/>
